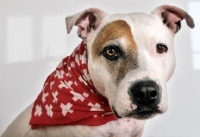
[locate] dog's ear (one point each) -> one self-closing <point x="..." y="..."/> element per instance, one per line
<point x="172" y="17"/>
<point x="86" y="21"/>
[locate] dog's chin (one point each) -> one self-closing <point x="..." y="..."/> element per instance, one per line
<point x="144" y="114"/>
<point x="140" y="113"/>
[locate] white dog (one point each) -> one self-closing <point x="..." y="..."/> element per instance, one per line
<point x="113" y="81"/>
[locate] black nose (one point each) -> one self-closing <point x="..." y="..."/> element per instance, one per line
<point x="145" y="92"/>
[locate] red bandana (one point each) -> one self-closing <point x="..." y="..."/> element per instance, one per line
<point x="69" y="97"/>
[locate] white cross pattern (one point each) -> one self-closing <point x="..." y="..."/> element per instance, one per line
<point x="44" y="86"/>
<point x="96" y="107"/>
<point x="81" y="80"/>
<point x="54" y="94"/>
<point x="62" y="84"/>
<point x="85" y="94"/>
<point x="73" y="64"/>
<point x="38" y="110"/>
<point x="77" y="59"/>
<point x="75" y="83"/>
<point x="69" y="83"/>
<point x="65" y="63"/>
<point x="51" y="84"/>
<point x="66" y="108"/>
<point x="83" y="58"/>
<point x="69" y="68"/>
<point x="77" y="96"/>
<point x="59" y="74"/>
<point x="44" y="95"/>
<point x="68" y="75"/>
<point x="86" y="74"/>
<point x="49" y="110"/>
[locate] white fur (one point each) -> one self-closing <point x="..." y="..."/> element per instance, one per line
<point x="155" y="66"/>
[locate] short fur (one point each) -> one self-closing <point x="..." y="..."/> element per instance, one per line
<point x="136" y="37"/>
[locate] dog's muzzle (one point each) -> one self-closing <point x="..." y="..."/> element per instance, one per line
<point x="146" y="95"/>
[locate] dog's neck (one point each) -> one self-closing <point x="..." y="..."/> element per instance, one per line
<point x="69" y="97"/>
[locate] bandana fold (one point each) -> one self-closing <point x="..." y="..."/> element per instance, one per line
<point x="69" y="96"/>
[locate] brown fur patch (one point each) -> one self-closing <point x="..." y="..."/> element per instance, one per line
<point x="114" y="30"/>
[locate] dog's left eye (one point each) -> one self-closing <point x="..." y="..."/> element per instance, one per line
<point x="161" y="48"/>
<point x="111" y="52"/>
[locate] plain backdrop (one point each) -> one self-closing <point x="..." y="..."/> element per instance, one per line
<point x="33" y="40"/>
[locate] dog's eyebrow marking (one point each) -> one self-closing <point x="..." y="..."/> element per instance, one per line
<point x="112" y="31"/>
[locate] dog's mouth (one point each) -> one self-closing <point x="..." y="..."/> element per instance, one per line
<point x="146" y="113"/>
<point x="139" y="113"/>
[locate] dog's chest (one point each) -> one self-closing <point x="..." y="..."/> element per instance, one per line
<point x="126" y="127"/>
<point x="118" y="128"/>
<point x="122" y="127"/>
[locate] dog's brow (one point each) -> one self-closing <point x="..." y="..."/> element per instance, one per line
<point x="115" y="30"/>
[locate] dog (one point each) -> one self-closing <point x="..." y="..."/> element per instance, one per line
<point x="127" y="58"/>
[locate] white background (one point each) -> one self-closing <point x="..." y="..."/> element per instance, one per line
<point x="33" y="40"/>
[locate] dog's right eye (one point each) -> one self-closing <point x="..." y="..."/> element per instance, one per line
<point x="111" y="52"/>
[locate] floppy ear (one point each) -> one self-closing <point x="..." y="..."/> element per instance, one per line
<point x="172" y="17"/>
<point x="86" y="21"/>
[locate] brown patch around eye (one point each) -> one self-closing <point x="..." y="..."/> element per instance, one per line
<point x="112" y="31"/>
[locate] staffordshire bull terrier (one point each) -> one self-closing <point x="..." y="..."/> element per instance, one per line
<point x="113" y="81"/>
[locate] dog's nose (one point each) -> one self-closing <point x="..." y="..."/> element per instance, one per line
<point x="145" y="92"/>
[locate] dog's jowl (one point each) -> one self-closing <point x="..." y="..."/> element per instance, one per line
<point x="112" y="82"/>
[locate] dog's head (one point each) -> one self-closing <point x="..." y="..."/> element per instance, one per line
<point x="131" y="56"/>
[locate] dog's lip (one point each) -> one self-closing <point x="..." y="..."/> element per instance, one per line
<point x="115" y="112"/>
<point x="145" y="113"/>
<point x="139" y="113"/>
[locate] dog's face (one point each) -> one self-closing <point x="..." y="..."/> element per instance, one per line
<point x="131" y="58"/>
<point x="130" y="61"/>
